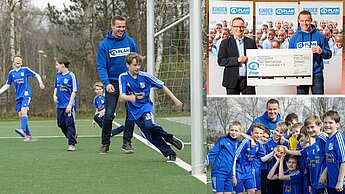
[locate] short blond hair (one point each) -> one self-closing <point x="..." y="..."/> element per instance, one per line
<point x="235" y="123"/>
<point x="282" y="125"/>
<point x="98" y="84"/>
<point x="312" y="119"/>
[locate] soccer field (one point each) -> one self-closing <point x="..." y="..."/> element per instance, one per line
<point x="44" y="166"/>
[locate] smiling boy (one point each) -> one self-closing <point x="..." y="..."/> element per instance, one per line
<point x="335" y="153"/>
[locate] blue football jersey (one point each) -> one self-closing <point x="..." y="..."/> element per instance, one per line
<point x="140" y="87"/>
<point x="335" y="155"/>
<point x="21" y="82"/>
<point x="316" y="156"/>
<point x="246" y="155"/>
<point x="65" y="85"/>
<point x="295" y="185"/>
<point x="99" y="102"/>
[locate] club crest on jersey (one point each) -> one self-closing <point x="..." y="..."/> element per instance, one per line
<point x="65" y="81"/>
<point x="22" y="74"/>
<point x="142" y="84"/>
<point x="317" y="148"/>
<point x="330" y="146"/>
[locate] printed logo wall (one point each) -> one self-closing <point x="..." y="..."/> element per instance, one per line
<point x="276" y="15"/>
<point x="222" y="12"/>
<point x="329" y="15"/>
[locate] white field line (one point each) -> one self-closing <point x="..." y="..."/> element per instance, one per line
<point x="178" y="161"/>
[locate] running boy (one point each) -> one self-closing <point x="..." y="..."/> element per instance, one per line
<point x="135" y="86"/>
<point x="99" y="104"/>
<point x="19" y="76"/>
<point x="66" y="88"/>
<point x="335" y="153"/>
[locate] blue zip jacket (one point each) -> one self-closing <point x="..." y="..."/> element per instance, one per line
<point x="309" y="39"/>
<point x="222" y="157"/>
<point x="111" y="56"/>
<point x="267" y="122"/>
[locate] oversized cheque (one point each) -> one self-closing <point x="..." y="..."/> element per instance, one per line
<point x="279" y="67"/>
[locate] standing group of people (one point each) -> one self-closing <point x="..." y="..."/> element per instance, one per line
<point x="281" y="156"/>
<point x="119" y="68"/>
<point x="232" y="55"/>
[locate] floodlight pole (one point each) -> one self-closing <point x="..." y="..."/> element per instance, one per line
<point x="196" y="87"/>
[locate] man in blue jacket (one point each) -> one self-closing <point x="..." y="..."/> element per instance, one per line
<point x="308" y="36"/>
<point x="270" y="118"/>
<point x="111" y="62"/>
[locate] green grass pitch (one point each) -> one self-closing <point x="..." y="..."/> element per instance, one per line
<point x="44" y="166"/>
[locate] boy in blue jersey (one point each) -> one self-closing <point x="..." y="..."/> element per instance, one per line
<point x="261" y="186"/>
<point x="99" y="104"/>
<point x="307" y="36"/>
<point x="303" y="142"/>
<point x="221" y="157"/>
<point x="292" y="177"/>
<point x="65" y="92"/>
<point x="248" y="163"/>
<point x="135" y="86"/>
<point x="335" y="153"/>
<point x="19" y="76"/>
<point x="315" y="154"/>
<point x="275" y="186"/>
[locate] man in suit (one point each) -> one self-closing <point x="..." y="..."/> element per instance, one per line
<point x="232" y="56"/>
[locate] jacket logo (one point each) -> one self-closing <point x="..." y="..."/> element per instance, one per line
<point x="308" y="44"/>
<point x="119" y="52"/>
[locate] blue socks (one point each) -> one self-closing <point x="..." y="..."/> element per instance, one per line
<point x="24" y="124"/>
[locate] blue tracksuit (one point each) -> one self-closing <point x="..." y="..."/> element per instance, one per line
<point x="263" y="119"/>
<point x="111" y="56"/>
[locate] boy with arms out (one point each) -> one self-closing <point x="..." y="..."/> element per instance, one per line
<point x="315" y="154"/>
<point x="335" y="153"/>
<point x="99" y="104"/>
<point x="134" y="87"/>
<point x="19" y="76"/>
<point x="247" y="161"/>
<point x="66" y="88"/>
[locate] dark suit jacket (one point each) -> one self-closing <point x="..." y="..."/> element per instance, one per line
<point x="227" y="57"/>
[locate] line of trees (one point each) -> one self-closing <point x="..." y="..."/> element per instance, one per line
<point x="222" y="111"/>
<point x="76" y="31"/>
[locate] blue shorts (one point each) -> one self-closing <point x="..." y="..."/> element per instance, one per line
<point x="247" y="182"/>
<point x="23" y="102"/>
<point x="220" y="184"/>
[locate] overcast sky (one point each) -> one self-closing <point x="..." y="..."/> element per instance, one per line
<point x="43" y="3"/>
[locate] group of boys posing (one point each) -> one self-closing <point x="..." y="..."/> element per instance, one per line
<point x="255" y="164"/>
<point x="119" y="68"/>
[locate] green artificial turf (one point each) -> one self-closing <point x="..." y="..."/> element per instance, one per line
<point x="44" y="166"/>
